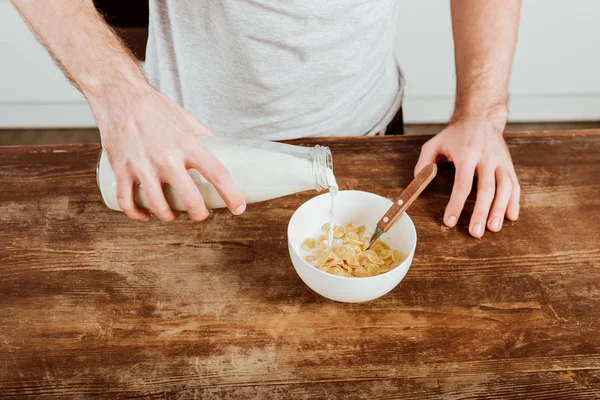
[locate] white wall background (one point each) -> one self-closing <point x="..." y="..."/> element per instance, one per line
<point x="556" y="75"/>
<point x="33" y="91"/>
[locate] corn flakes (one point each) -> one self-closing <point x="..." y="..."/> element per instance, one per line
<point x="308" y="244"/>
<point x="350" y="258"/>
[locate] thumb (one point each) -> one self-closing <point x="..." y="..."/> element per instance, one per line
<point x="429" y="155"/>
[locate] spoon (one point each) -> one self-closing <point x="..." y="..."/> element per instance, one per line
<point x="412" y="191"/>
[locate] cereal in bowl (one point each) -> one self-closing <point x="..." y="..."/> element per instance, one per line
<point x="348" y="255"/>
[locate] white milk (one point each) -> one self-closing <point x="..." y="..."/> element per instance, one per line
<point x="260" y="175"/>
<point x="262" y="171"/>
<point x="333" y="190"/>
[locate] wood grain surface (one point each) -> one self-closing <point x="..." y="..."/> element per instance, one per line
<point x="94" y="305"/>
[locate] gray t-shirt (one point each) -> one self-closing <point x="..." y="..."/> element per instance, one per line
<point x="278" y="69"/>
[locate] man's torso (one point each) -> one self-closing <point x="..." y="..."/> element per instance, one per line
<point x="276" y="69"/>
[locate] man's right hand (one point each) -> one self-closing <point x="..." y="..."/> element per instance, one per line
<point x="151" y="140"/>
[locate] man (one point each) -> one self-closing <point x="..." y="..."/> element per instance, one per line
<point x="276" y="69"/>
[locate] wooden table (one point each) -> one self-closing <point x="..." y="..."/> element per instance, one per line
<point x="94" y="304"/>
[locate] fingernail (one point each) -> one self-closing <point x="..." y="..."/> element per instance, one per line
<point x="495" y="224"/>
<point x="240" y="209"/>
<point x="451" y="221"/>
<point x="478" y="229"/>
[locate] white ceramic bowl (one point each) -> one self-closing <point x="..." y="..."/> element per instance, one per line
<point x="360" y="208"/>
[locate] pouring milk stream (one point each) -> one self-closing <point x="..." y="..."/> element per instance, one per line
<point x="262" y="171"/>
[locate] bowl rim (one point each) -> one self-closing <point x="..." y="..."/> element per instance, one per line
<point x="409" y="255"/>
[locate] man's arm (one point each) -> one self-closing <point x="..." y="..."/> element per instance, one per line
<point x="148" y="138"/>
<point x="485" y="35"/>
<point x="82" y="44"/>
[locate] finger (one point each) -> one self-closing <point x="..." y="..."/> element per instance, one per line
<point x="125" y="196"/>
<point x="189" y="194"/>
<point x="157" y="203"/>
<point x="486" y="189"/>
<point x="463" y="182"/>
<point x="429" y="155"/>
<point x="214" y="172"/>
<point x="513" y="209"/>
<point x="504" y="189"/>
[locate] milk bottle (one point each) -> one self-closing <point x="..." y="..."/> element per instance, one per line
<point x="262" y="170"/>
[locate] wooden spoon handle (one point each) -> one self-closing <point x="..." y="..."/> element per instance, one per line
<point x="412" y="191"/>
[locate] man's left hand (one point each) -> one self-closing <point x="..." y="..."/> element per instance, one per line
<point x="477" y="148"/>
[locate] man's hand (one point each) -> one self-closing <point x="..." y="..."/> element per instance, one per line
<point x="485" y="35"/>
<point x="476" y="147"/>
<point x="148" y="138"/>
<point x="151" y="140"/>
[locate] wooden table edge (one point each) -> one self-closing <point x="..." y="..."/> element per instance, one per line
<point x="345" y="139"/>
<point x="406" y="138"/>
